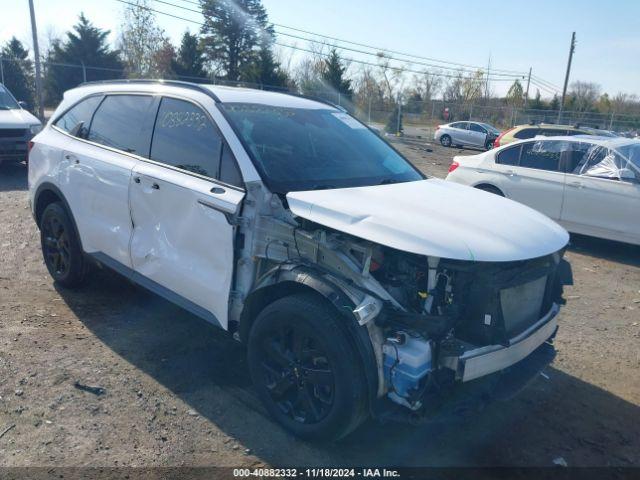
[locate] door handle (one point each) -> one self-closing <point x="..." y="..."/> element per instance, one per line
<point x="217" y="190"/>
<point x="71" y="158"/>
<point x="577" y="184"/>
<point x="511" y="173"/>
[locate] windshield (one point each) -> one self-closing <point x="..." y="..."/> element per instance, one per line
<point x="308" y="149"/>
<point x="632" y="153"/>
<point x="7" y="102"/>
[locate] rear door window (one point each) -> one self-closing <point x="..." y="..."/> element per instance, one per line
<point x="603" y="163"/>
<point x="121" y="122"/>
<point x="552" y="132"/>
<point x="543" y="155"/>
<point x="509" y="156"/>
<point x="460" y="125"/>
<point x="77" y="119"/>
<point x="526" y="133"/>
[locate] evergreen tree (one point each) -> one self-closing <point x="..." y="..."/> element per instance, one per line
<point x="189" y="64"/>
<point x="536" y="103"/>
<point x="18" y="71"/>
<point x="555" y="103"/>
<point x="333" y="74"/>
<point x="232" y="33"/>
<point x="265" y="69"/>
<point x="85" y="45"/>
<point x="515" y="95"/>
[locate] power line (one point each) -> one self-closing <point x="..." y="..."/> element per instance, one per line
<point x="399" y="69"/>
<point x="378" y="49"/>
<point x="375" y="54"/>
<point x="545" y="82"/>
<point x="363" y="62"/>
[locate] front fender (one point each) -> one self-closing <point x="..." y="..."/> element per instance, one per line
<point x="285" y="280"/>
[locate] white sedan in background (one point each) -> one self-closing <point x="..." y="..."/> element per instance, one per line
<point x="590" y="185"/>
<point x="466" y="134"/>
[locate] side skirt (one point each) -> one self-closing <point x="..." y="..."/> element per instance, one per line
<point x="156" y="288"/>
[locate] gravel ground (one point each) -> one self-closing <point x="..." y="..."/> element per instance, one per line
<point x="177" y="392"/>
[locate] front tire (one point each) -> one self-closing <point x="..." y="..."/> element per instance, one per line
<point x="305" y="368"/>
<point x="61" y="248"/>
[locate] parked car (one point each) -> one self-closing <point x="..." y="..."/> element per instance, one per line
<point x="17" y="126"/>
<point x="590" y="185"/>
<point x="466" y="134"/>
<point x="358" y="285"/>
<point x="522" y="132"/>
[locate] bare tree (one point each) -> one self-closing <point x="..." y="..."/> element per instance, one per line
<point x="428" y="85"/>
<point x="141" y="41"/>
<point x="583" y="96"/>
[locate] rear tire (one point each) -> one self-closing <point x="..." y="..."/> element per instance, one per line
<point x="445" y="141"/>
<point x="61" y="248"/>
<point x="490" y="189"/>
<point x="306" y="370"/>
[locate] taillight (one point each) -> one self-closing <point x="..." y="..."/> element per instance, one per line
<point x="453" y="166"/>
<point x="29" y="147"/>
<point x="496" y="142"/>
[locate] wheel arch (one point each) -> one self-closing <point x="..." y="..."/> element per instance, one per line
<point x="46" y="194"/>
<point x="489" y="186"/>
<point x="280" y="283"/>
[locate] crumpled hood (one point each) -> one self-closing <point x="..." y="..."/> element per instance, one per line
<point x="435" y="218"/>
<point x="17" y="118"/>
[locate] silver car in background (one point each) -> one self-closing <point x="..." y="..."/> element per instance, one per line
<point x="466" y="134"/>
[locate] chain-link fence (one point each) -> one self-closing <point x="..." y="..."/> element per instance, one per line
<point x="423" y="115"/>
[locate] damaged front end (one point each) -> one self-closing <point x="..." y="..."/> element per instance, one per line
<point x="476" y="319"/>
<point x="431" y="324"/>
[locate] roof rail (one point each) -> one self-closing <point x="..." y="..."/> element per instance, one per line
<point x="173" y="83"/>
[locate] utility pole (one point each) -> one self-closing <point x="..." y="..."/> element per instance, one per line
<point x="526" y="94"/>
<point x="36" y="54"/>
<point x="486" y="84"/>
<point x="84" y="73"/>
<point x="566" y="77"/>
<point x="1" y="72"/>
<point x="399" y="116"/>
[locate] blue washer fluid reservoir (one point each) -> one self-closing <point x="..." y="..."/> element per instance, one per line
<point x="407" y="360"/>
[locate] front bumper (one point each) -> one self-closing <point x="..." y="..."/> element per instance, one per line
<point x="14" y="148"/>
<point x="470" y="362"/>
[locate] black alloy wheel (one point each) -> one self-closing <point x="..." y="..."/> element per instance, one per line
<point x="297" y="372"/>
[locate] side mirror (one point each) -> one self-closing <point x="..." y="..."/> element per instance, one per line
<point x="23" y="104"/>
<point x="628" y="174"/>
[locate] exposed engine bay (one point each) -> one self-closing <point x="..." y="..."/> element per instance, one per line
<point x="426" y="316"/>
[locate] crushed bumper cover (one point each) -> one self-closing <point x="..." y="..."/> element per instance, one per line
<point x="470" y="362"/>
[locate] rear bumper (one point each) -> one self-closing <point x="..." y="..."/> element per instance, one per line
<point x="469" y="362"/>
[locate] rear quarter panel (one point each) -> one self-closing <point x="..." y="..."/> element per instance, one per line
<point x="44" y="162"/>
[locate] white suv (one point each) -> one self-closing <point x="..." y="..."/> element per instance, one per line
<point x="360" y="286"/>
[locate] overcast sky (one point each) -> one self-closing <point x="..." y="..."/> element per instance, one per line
<point x="517" y="35"/>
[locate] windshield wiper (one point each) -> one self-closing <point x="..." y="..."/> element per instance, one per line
<point x="388" y="181"/>
<point x="323" y="187"/>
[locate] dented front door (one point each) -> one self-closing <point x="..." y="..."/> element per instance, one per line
<point x="182" y="243"/>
